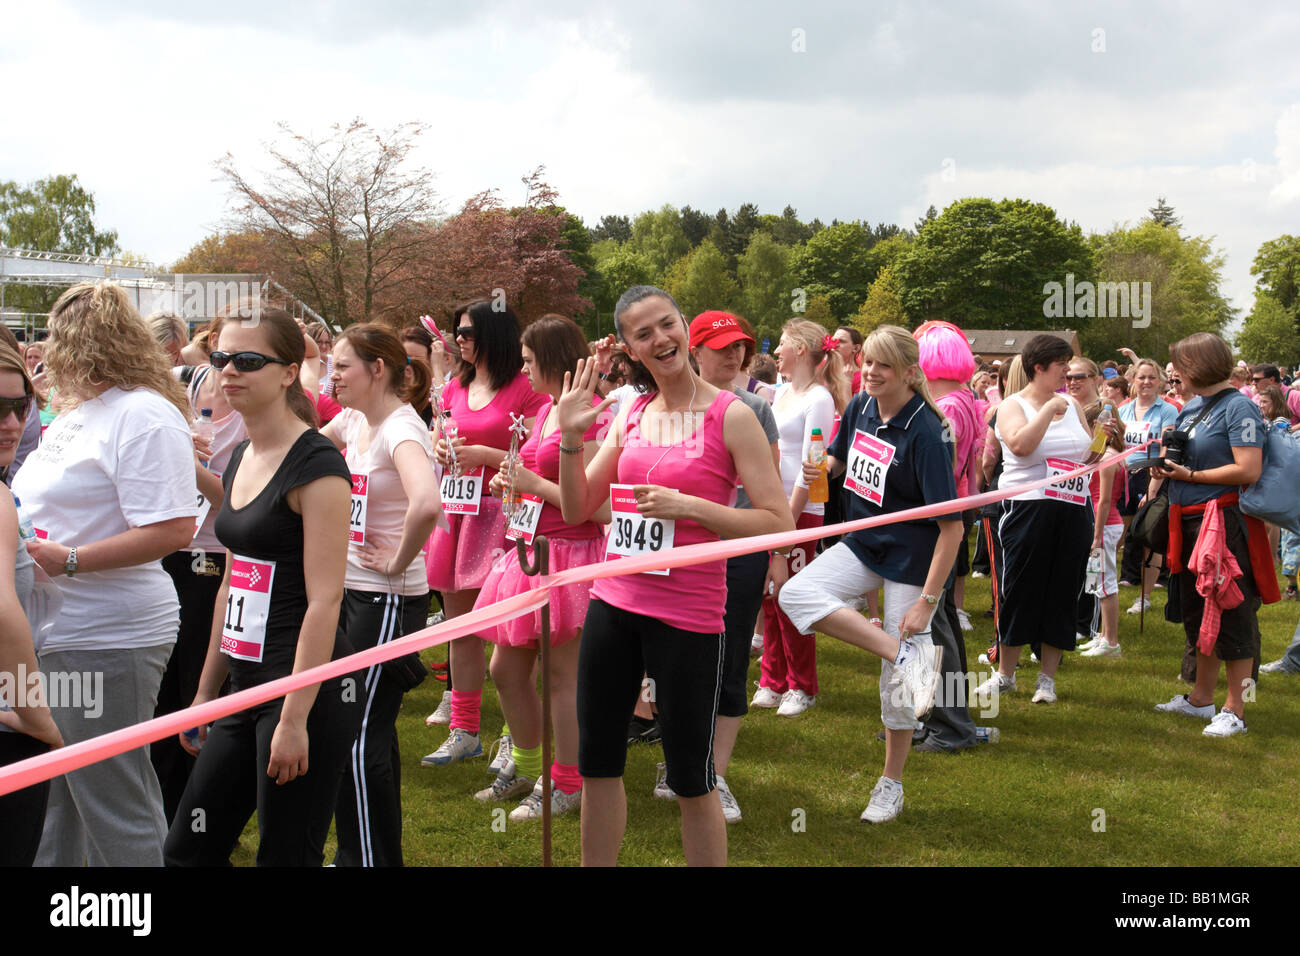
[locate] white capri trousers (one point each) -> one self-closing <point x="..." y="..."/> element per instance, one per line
<point x="834" y="580"/>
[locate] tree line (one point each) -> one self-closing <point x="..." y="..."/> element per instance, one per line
<point x="350" y="226"/>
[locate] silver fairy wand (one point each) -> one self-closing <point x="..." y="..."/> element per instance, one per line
<point x="510" y="500"/>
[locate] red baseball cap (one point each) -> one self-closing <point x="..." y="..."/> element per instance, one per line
<point x="717" y="330"/>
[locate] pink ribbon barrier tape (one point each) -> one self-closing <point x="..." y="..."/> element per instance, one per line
<point x="24" y="773"/>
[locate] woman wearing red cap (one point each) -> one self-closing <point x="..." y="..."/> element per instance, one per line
<point x="722" y="345"/>
<point x="684" y="433"/>
<point x="816" y="391"/>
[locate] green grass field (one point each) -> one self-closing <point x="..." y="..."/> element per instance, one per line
<point x="1170" y="796"/>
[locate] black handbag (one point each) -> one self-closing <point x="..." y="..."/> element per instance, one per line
<point x="1150" y="528"/>
<point x="408" y="671"/>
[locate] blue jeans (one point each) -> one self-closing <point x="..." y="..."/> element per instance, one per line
<point x="1291" y="658"/>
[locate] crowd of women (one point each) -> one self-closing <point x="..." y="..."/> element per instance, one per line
<point x="190" y="518"/>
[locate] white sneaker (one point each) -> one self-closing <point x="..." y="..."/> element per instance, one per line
<point x="756" y="645"/>
<point x="886" y="801"/>
<point x="507" y="786"/>
<point x="730" y="808"/>
<point x="1044" y="690"/>
<point x="794" y="703"/>
<point x="502" y="753"/>
<point x="1181" y="705"/>
<point x="561" y="803"/>
<point x="442" y="715"/>
<point x="978" y="574"/>
<point x="1225" y="724"/>
<point x="1033" y="658"/>
<point x="766" y="697"/>
<point x="662" y="791"/>
<point x="994" y="686"/>
<point x="1274" y="667"/>
<point x="1103" y="649"/>
<point x="964" y="620"/>
<point x="459" y="745"/>
<point x="1082" y="644"/>
<point x="918" y="679"/>
<point x="984" y="659"/>
<point x="1140" y="605"/>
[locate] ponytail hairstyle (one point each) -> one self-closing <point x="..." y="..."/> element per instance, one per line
<point x="284" y="340"/>
<point x="637" y="374"/>
<point x="98" y="340"/>
<point x="557" y="343"/>
<point x="828" y="367"/>
<point x="895" y="347"/>
<point x="408" y="380"/>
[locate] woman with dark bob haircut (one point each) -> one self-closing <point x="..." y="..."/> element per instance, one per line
<point x="1224" y="451"/>
<point x="1044" y="533"/>
<point x="489" y="388"/>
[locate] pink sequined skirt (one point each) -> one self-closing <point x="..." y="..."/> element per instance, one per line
<point x="459" y="559"/>
<point x="568" y="603"/>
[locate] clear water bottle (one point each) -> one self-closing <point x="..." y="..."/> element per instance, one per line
<point x="1092" y="584"/>
<point x="26" y="530"/>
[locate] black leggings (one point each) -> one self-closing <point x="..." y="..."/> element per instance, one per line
<point x="22" y="813"/>
<point x="229" y="782"/>
<point x="745" y="575"/>
<point x="198" y="596"/>
<point x="685" y="671"/>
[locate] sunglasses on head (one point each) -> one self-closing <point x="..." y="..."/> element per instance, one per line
<point x="243" y="361"/>
<point x="465" y="332"/>
<point x="15" y="406"/>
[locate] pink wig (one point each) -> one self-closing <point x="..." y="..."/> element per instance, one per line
<point x="945" y="353"/>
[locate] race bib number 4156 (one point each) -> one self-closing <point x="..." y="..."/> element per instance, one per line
<point x="632" y="534"/>
<point x="868" y="466"/>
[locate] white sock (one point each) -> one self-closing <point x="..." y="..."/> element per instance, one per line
<point x="906" y="650"/>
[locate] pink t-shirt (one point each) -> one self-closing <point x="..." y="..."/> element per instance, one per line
<point x="691" y="598"/>
<point x="968" y="430"/>
<point x="1094" y="489"/>
<point x="490" y="425"/>
<point x="379" y="501"/>
<point x="542" y="457"/>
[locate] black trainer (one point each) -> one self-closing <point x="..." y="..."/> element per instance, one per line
<point x="642" y="731"/>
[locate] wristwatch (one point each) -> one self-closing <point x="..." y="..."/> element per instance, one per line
<point x="70" y="565"/>
<point x="931" y="599"/>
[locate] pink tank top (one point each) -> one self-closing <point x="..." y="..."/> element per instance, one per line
<point x="692" y="598"/>
<point x="543" y="458"/>
<point x="490" y="425"/>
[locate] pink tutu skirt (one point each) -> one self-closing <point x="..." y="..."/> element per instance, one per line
<point x="459" y="559"/>
<point x="568" y="603"/>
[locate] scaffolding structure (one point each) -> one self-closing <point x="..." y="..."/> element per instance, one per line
<point x="195" y="298"/>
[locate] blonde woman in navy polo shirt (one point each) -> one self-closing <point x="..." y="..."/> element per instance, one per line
<point x="898" y="452"/>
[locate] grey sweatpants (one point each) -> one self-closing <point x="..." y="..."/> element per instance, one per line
<point x="109" y="813"/>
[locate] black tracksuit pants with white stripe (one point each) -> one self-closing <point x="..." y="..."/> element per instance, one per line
<point x="368" y="817"/>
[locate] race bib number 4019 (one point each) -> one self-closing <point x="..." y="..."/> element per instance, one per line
<point x="869" y="461"/>
<point x="632" y="534"/>
<point x="460" y="496"/>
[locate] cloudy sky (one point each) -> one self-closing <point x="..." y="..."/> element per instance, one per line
<point x="856" y="110"/>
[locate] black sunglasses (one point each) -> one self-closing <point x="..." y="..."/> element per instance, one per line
<point x="243" y="361"/>
<point x="16" y="407"/>
<point x="465" y="332"/>
<point x="1078" y="377"/>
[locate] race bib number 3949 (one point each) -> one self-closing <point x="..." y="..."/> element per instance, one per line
<point x="632" y="534"/>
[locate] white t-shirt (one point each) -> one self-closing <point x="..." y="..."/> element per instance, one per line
<point x="385" y="503"/>
<point x="120" y="461"/>
<point x="1065" y="439"/>
<point x="796" y="416"/>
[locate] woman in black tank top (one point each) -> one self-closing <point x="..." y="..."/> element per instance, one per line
<point x="284" y="524"/>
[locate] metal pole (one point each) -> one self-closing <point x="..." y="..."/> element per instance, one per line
<point x="541" y="565"/>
